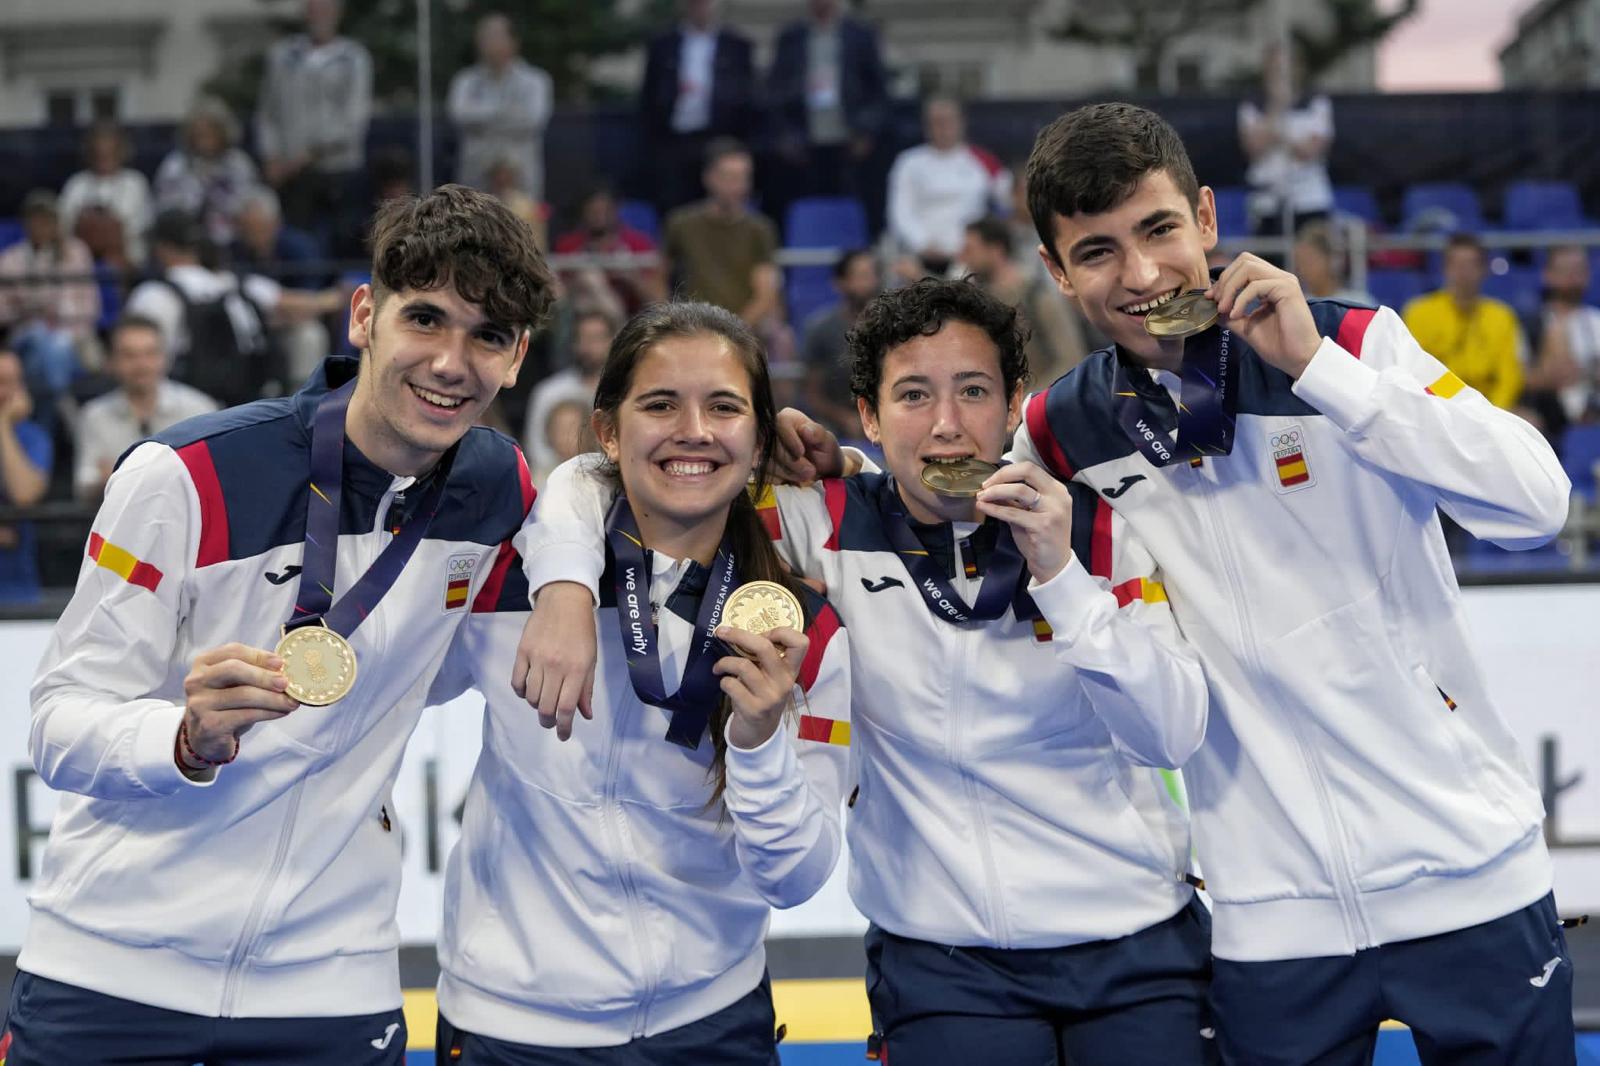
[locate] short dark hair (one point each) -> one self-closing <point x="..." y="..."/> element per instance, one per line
<point x="993" y="232"/>
<point x="1466" y="240"/>
<point x="462" y="237"/>
<point x="921" y="309"/>
<point x="178" y="229"/>
<point x="584" y="314"/>
<point x="1091" y="159"/>
<point x="721" y="148"/>
<point x="133" y="320"/>
<point x="841" y="266"/>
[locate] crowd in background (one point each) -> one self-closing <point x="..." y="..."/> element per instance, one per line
<point x="237" y="294"/>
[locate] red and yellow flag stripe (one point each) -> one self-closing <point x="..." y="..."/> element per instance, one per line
<point x="123" y="563"/>
<point x="827" y="730"/>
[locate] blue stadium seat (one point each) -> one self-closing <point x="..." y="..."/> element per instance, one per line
<point x="1542" y="205"/>
<point x="1580" y="450"/>
<point x="641" y="215"/>
<point x="1394" y="288"/>
<point x="1357" y="200"/>
<point x="819" y="222"/>
<point x="826" y="222"/>
<point x="1233" y="217"/>
<point x="10" y="231"/>
<point x="1519" y="286"/>
<point x="1445" y="206"/>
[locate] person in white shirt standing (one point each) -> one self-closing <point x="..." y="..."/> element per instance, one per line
<point x="111" y="186"/>
<point x="1286" y="137"/>
<point x="500" y="106"/>
<point x="936" y="188"/>
<point x="145" y="402"/>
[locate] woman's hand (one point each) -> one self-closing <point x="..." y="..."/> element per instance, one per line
<point x="760" y="682"/>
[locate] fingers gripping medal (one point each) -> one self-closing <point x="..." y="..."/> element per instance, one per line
<point x="960" y="478"/>
<point x="762" y="606"/>
<point x="319" y="663"/>
<point x="1182" y="316"/>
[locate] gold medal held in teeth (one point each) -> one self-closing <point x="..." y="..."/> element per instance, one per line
<point x="960" y="478"/>
<point x="319" y="663"/>
<point x="1182" y="316"/>
<point x="762" y="606"/>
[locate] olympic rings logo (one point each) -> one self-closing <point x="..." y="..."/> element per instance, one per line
<point x="1284" y="440"/>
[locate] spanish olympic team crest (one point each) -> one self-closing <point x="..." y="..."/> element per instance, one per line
<point x="458" y="581"/>
<point x="1288" y="445"/>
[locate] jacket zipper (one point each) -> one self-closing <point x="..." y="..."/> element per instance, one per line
<point x="252" y="922"/>
<point x="611" y="813"/>
<point x="1344" y="880"/>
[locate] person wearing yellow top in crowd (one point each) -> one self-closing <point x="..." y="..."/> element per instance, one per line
<point x="1476" y="336"/>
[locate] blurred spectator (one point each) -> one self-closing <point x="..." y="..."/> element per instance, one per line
<point x="1476" y="336"/>
<point x="830" y="99"/>
<point x="1319" y="264"/>
<point x="26" y="456"/>
<point x="699" y="85"/>
<point x="823" y="350"/>
<point x="1564" y="383"/>
<point x="504" y="182"/>
<point x="592" y="333"/>
<point x="214" y="324"/>
<point x="500" y="106"/>
<point x="1286" y="137"/>
<point x="48" y="301"/>
<point x="108" y="191"/>
<point x="393" y="173"/>
<point x="268" y="247"/>
<point x="1055" y="343"/>
<point x="936" y="188"/>
<point x="144" y="402"/>
<point x="601" y="231"/>
<point x="207" y="174"/>
<point x="311" y="127"/>
<point x="721" y="251"/>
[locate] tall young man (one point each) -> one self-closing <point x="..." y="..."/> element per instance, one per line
<point x="220" y="881"/>
<point x="1370" y="839"/>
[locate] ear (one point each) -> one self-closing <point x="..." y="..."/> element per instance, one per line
<point x="363" y="309"/>
<point x="510" y="378"/>
<point x="1058" y="274"/>
<point x="605" y="431"/>
<point x="869" y="419"/>
<point x="1205" y="215"/>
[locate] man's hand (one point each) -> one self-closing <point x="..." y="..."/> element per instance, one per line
<point x="228" y="690"/>
<point x="16" y="408"/>
<point x="1264" y="305"/>
<point x="759" y="683"/>
<point x="1038" y="508"/>
<point x="806" y="451"/>
<point x="554" y="670"/>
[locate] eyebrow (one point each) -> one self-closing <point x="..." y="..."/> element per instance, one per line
<point x="673" y="394"/>
<point x="923" y="379"/>
<point x="1144" y="225"/>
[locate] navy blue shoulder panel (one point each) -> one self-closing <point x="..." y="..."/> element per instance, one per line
<point x="859" y="528"/>
<point x="489" y="493"/>
<point x="1079" y="413"/>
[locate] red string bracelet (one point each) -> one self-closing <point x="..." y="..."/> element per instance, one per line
<point x="194" y="756"/>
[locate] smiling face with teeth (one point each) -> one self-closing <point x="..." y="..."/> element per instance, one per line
<point x="1130" y="259"/>
<point x="430" y="363"/>
<point x="684" y="439"/>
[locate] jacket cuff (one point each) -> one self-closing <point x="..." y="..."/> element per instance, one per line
<point x="1340" y="386"/>
<point x="563" y="559"/>
<point x="1067" y="601"/>
<point x="765" y="766"/>
<point x="153" y="756"/>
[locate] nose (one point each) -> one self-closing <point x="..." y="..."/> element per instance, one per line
<point x="1140" y="271"/>
<point x="693" y="426"/>
<point x="947" y="420"/>
<point x="449" y="362"/>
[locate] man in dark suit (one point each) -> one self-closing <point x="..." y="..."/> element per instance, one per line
<point x="699" y="84"/>
<point x="830" y="101"/>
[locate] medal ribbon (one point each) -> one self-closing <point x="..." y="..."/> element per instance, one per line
<point x="1208" y="400"/>
<point x="314" y="601"/>
<point x="1002" y="587"/>
<point x="700" y="689"/>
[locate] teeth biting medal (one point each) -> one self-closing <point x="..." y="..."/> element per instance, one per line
<point x="1182" y="316"/>
<point x="958" y="478"/>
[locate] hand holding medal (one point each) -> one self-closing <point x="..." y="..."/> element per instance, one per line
<point x="1266" y="306"/>
<point x="228" y="690"/>
<point x="762" y="623"/>
<point x="1038" y="509"/>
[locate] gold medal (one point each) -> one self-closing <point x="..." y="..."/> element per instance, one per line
<point x="1182" y="316"/>
<point x="319" y="663"/>
<point x="960" y="478"/>
<point x="762" y="606"/>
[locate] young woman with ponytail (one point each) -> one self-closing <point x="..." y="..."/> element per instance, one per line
<point x="609" y="898"/>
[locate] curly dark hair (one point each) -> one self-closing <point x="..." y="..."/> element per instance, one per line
<point x="921" y="310"/>
<point x="1091" y="159"/>
<point x="461" y="237"/>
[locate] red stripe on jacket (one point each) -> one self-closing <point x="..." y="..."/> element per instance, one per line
<point x="213" y="508"/>
<point x="1044" y="441"/>
<point x="1353" y="330"/>
<point x="820" y="632"/>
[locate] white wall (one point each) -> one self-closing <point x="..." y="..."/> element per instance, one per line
<point x="1540" y="648"/>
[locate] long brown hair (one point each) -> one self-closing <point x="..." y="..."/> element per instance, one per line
<point x="752" y="548"/>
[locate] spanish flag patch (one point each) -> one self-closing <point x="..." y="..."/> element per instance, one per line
<point x="121" y="562"/>
<point x="826" y="730"/>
